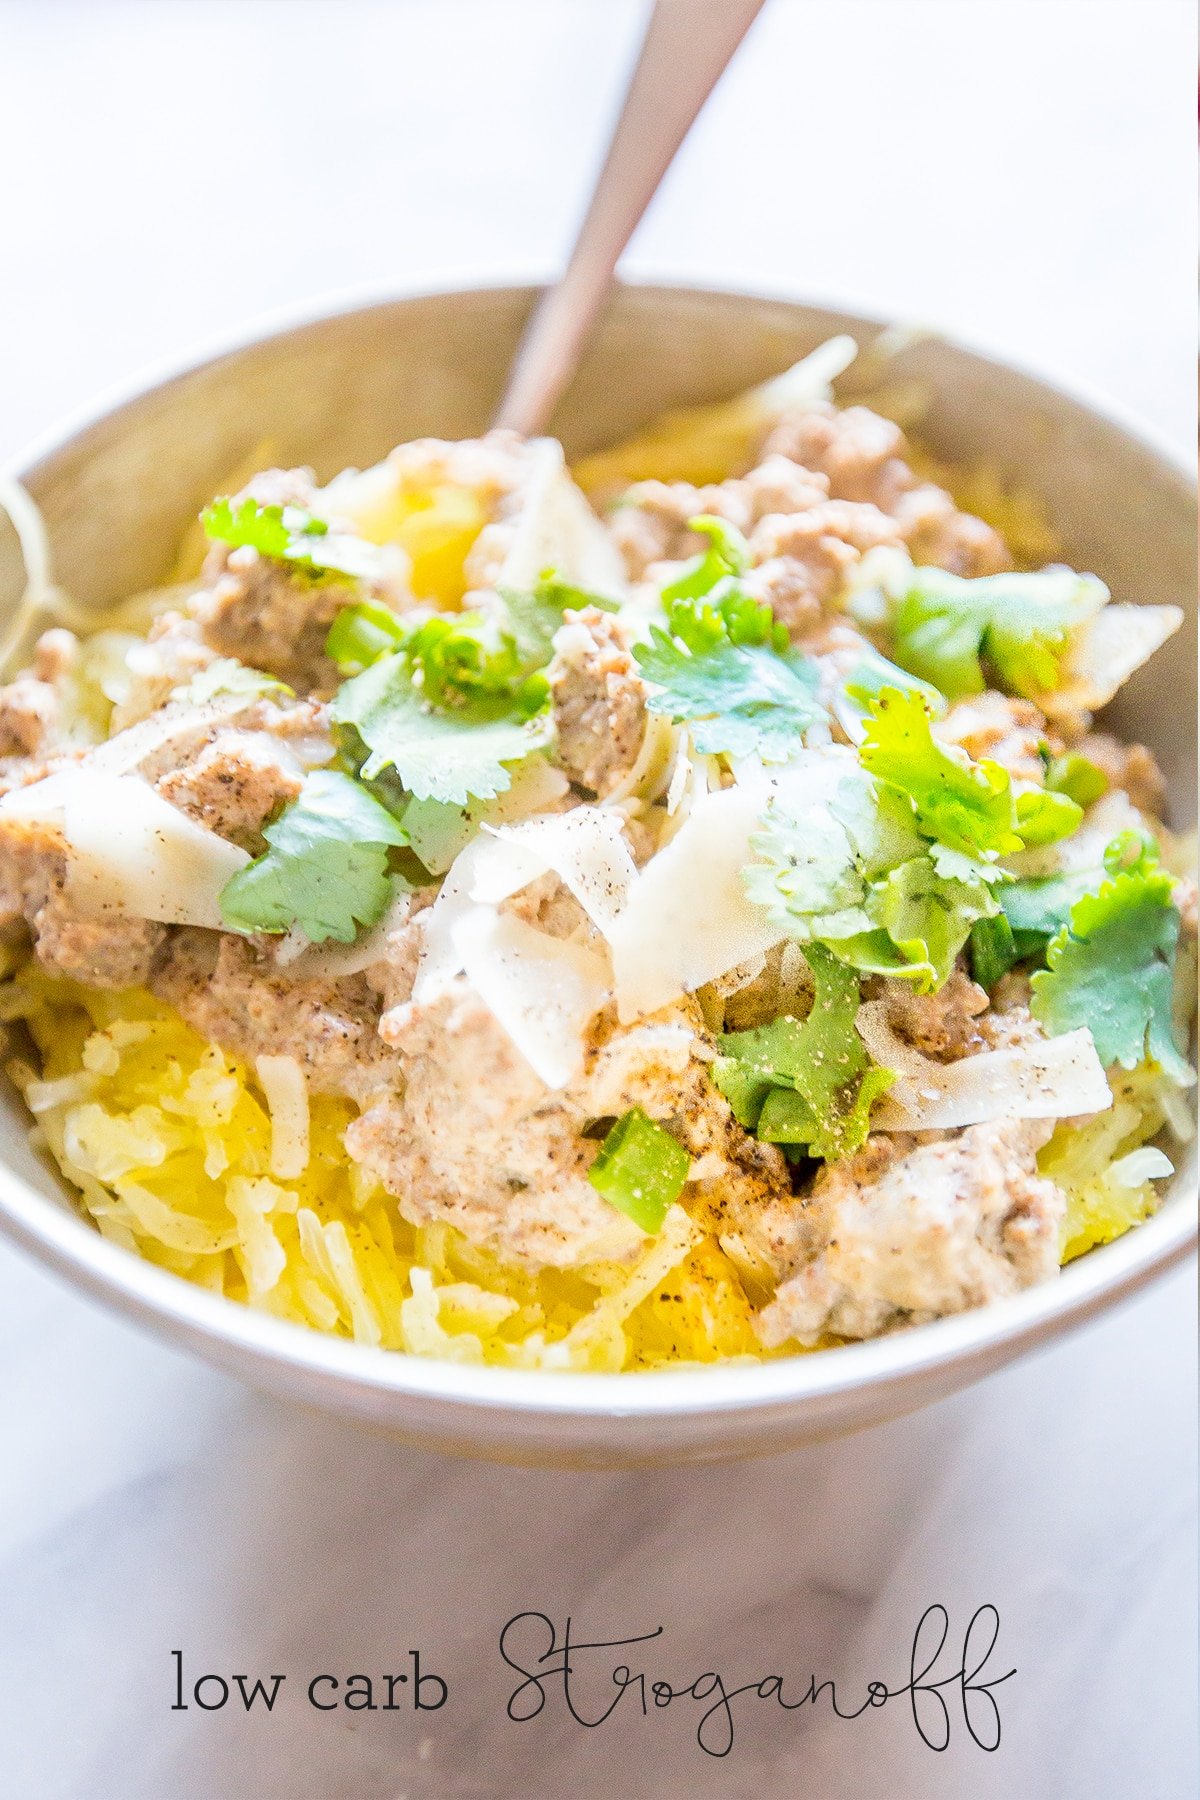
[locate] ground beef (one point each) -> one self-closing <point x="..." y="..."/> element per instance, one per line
<point x="505" y="1160"/>
<point x="109" y="952"/>
<point x="599" y="701"/>
<point x="650" y="525"/>
<point x="944" y="1025"/>
<point x="865" y="459"/>
<point x="831" y="486"/>
<point x="234" y="784"/>
<point x="803" y="560"/>
<point x="910" y="1231"/>
<point x="1006" y="730"/>
<point x="234" y="994"/>
<point x="28" y="715"/>
<point x="266" y="613"/>
<point x="31" y="705"/>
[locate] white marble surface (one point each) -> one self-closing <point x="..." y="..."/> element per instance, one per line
<point x="1020" y="172"/>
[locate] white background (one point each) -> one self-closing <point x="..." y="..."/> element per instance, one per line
<point x="1021" y="173"/>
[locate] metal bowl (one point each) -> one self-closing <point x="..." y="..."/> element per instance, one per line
<point x="333" y="391"/>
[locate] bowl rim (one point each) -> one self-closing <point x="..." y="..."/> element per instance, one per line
<point x="69" y="1246"/>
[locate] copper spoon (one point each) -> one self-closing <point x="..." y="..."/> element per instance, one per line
<point x="687" y="47"/>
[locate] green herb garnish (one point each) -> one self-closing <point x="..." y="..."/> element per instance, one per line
<point x="326" y="868"/>
<point x="640" y="1169"/>
<point x="1014" y="631"/>
<point x="1111" y="966"/>
<point x="806" y="1082"/>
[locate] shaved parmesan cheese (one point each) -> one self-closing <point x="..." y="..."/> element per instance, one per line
<point x="1141" y="1165"/>
<point x="441" y="959"/>
<point x="129" y="751"/>
<point x="285" y="1087"/>
<point x="541" y="990"/>
<point x="585" y="848"/>
<point x="555" y="528"/>
<point x="809" y="381"/>
<point x="1052" y="1078"/>
<point x="536" y="783"/>
<point x="128" y="850"/>
<point x="688" y="918"/>
<point x="1109" y="649"/>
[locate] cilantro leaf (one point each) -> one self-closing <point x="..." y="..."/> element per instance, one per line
<point x="808" y="1082"/>
<point x="1044" y="815"/>
<point x="894" y="870"/>
<point x="290" y="534"/>
<point x="326" y="868"/>
<point x="1077" y="776"/>
<point x="867" y="680"/>
<point x="727" y="615"/>
<point x="727" y="556"/>
<point x="362" y="633"/>
<point x="1019" y="628"/>
<point x="1111" y="968"/>
<point x="736" y="698"/>
<point x="260" y="527"/>
<point x="968" y="806"/>
<point x="856" y="875"/>
<point x="452" y="753"/>
<point x="812" y="866"/>
<point x="723" y="665"/>
<point x="927" y="917"/>
<point x="994" y="950"/>
<point x="1038" y="906"/>
<point x="530" y="618"/>
<point x="556" y="596"/>
<point x="461" y="653"/>
<point x="447" y="700"/>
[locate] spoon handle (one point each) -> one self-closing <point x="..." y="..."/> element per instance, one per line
<point x="687" y="46"/>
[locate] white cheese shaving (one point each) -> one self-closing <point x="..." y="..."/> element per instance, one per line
<point x="1143" y="1164"/>
<point x="585" y="848"/>
<point x="1110" y="648"/>
<point x="542" y="991"/>
<point x="128" y="751"/>
<point x="441" y="959"/>
<point x="688" y="918"/>
<point x="285" y="1088"/>
<point x="535" y="783"/>
<point x="555" y="528"/>
<point x="129" y="851"/>
<point x="807" y="382"/>
<point x="1051" y="1078"/>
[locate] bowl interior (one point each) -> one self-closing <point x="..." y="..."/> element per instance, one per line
<point x="117" y="494"/>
